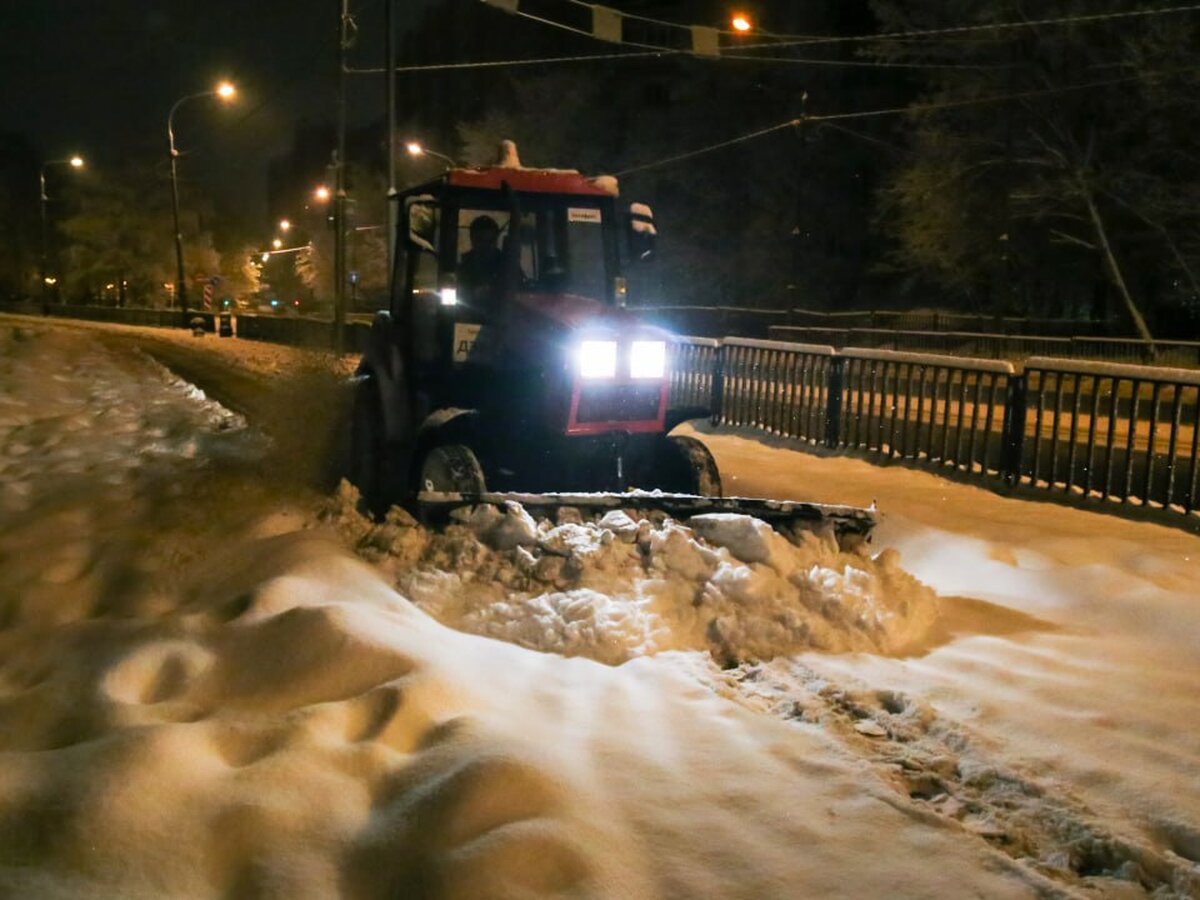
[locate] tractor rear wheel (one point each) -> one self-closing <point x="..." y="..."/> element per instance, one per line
<point x="370" y="462"/>
<point x="683" y="465"/>
<point x="451" y="469"/>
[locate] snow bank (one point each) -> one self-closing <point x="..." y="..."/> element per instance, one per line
<point x="621" y="587"/>
<point x="190" y="707"/>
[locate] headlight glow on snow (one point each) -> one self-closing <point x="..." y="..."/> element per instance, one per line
<point x="648" y="359"/>
<point x="598" y="359"/>
<point x="449" y="296"/>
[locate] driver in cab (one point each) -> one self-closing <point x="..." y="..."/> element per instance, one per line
<point x="481" y="269"/>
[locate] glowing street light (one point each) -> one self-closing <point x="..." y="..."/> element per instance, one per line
<point x="266" y="257"/>
<point x="224" y="92"/>
<point x="284" y="225"/>
<point x="321" y="193"/>
<point x="75" y="162"/>
<point x="741" y="22"/>
<point x="416" y="149"/>
<point x="277" y="243"/>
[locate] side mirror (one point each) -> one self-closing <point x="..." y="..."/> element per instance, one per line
<point x="642" y="234"/>
<point x="421" y="220"/>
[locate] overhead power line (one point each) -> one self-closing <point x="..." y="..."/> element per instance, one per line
<point x="806" y="40"/>
<point x="500" y="63"/>
<point x="892" y="111"/>
<point x="705" y="43"/>
<point x="658" y="54"/>
<point x="512" y="8"/>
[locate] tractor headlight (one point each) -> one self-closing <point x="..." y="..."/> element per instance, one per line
<point x="598" y="359"/>
<point x="648" y="359"/>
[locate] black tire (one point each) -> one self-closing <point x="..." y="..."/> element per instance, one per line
<point x="451" y="469"/>
<point x="370" y="463"/>
<point x="683" y="465"/>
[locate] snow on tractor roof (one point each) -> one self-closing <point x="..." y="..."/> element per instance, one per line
<point x="520" y="178"/>
<point x="542" y="181"/>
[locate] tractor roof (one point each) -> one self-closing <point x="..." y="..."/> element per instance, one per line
<point x="522" y="180"/>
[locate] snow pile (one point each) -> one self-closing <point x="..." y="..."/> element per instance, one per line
<point x="283" y="724"/>
<point x="620" y="587"/>
<point x="190" y="710"/>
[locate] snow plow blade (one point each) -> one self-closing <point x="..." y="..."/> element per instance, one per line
<point x="850" y="524"/>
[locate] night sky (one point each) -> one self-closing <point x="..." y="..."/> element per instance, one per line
<point x="98" y="78"/>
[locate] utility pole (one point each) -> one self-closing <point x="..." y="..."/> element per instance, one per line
<point x="392" y="143"/>
<point x="339" y="188"/>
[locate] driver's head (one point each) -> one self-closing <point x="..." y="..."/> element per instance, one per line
<point x="484" y="232"/>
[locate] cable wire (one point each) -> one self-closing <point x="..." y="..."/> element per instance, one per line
<point x="797" y="39"/>
<point x="897" y="110"/>
<point x="802" y="40"/>
<point x="655" y="50"/>
<point x="436" y="67"/>
<point x="658" y="54"/>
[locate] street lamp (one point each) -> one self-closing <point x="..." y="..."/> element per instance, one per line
<point x="225" y="92"/>
<point x="75" y="162"/>
<point x="415" y="149"/>
<point x="277" y="243"/>
<point x="741" y="22"/>
<point x="284" y="225"/>
<point x="321" y="194"/>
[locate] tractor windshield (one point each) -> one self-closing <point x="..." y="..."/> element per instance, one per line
<point x="562" y="248"/>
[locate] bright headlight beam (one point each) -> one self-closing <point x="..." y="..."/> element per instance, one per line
<point x="648" y="359"/>
<point x="598" y="359"/>
<point x="449" y="296"/>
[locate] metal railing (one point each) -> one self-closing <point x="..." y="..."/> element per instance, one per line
<point x="781" y="388"/>
<point x="946" y="410"/>
<point x="1116" y="432"/>
<point x="693" y="366"/>
<point x="1098" y="431"/>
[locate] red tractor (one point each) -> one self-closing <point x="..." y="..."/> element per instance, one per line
<point x="507" y="364"/>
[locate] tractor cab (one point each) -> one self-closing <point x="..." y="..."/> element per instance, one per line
<point x="492" y="259"/>
<point x="506" y="360"/>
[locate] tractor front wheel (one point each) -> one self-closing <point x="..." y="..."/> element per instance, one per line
<point x="370" y="462"/>
<point x="683" y="465"/>
<point x="451" y="469"/>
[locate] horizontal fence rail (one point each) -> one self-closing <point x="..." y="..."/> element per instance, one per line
<point x="998" y="346"/>
<point x="744" y="321"/>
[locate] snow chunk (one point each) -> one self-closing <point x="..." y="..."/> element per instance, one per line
<point x="500" y="530"/>
<point x="747" y="538"/>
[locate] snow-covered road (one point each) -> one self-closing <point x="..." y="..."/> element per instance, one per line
<point x="202" y="693"/>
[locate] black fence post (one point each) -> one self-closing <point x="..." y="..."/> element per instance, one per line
<point x="717" y="399"/>
<point x="833" y="403"/>
<point x="1012" y="437"/>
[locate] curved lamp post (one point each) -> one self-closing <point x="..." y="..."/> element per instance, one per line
<point x="415" y="149"/>
<point x="75" y="162"/>
<point x="223" y="91"/>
